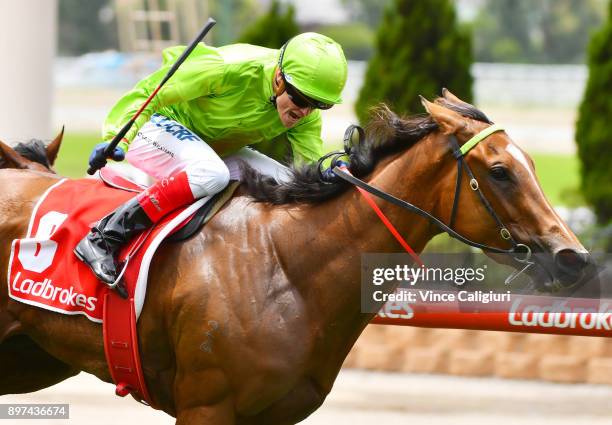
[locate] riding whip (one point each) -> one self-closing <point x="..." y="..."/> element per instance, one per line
<point x="113" y="144"/>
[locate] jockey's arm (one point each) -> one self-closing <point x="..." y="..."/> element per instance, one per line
<point x="199" y="76"/>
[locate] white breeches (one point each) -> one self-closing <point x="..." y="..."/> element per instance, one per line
<point x="164" y="147"/>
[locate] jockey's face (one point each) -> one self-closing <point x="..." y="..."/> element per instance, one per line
<point x="288" y="112"/>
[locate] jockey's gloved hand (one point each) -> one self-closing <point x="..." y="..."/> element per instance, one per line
<point x="97" y="159"/>
<point x="328" y="174"/>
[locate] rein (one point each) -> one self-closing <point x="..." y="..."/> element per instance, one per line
<point x="459" y="153"/>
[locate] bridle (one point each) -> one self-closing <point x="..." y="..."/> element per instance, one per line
<point x="520" y="252"/>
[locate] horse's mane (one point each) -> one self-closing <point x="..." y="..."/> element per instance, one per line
<point x="386" y="133"/>
<point x="34" y="150"/>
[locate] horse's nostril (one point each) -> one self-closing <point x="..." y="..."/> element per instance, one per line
<point x="570" y="260"/>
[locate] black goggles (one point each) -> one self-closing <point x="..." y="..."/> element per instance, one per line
<point x="301" y="100"/>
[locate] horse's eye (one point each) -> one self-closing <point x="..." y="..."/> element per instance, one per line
<point x="500" y="173"/>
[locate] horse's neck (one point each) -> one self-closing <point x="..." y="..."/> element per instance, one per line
<point x="324" y="256"/>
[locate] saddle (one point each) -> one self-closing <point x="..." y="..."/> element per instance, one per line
<point x="192" y="225"/>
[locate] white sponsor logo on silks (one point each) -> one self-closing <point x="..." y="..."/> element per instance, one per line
<point x="559" y="315"/>
<point x="48" y="291"/>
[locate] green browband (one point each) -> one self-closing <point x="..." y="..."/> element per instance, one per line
<point x="479" y="137"/>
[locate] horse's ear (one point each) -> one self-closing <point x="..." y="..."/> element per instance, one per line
<point x="11" y="157"/>
<point x="446" y="94"/>
<point x="53" y="147"/>
<point x="450" y="122"/>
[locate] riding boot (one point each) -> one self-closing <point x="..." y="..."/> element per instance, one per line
<point x="99" y="248"/>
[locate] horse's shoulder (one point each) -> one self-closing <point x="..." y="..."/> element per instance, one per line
<point x="240" y="208"/>
<point x="242" y="212"/>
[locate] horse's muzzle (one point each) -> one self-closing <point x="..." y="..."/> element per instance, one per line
<point x="570" y="266"/>
<point x="563" y="268"/>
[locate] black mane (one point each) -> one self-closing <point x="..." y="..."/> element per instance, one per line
<point x="34" y="150"/>
<point x="386" y="133"/>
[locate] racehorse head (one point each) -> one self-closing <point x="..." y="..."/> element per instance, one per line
<point x="469" y="178"/>
<point x="499" y="201"/>
<point x="33" y="155"/>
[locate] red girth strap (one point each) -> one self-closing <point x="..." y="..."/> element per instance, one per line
<point x="121" y="347"/>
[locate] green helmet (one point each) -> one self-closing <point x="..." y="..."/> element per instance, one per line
<point x="315" y="65"/>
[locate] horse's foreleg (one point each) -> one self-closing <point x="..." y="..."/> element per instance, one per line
<point x="25" y="367"/>
<point x="221" y="413"/>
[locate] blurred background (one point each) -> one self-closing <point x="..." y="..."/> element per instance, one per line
<point x="542" y="69"/>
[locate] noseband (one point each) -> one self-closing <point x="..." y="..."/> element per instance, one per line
<point x="520" y="252"/>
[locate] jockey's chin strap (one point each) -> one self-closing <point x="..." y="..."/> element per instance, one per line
<point x="520" y="252"/>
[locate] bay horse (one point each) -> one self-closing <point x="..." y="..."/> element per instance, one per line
<point x="249" y="321"/>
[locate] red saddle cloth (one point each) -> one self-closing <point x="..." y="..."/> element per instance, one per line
<point x="44" y="272"/>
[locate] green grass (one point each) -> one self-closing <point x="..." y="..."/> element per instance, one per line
<point x="558" y="174"/>
<point x="74" y="153"/>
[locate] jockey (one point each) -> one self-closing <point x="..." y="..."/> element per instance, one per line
<point x="193" y="135"/>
